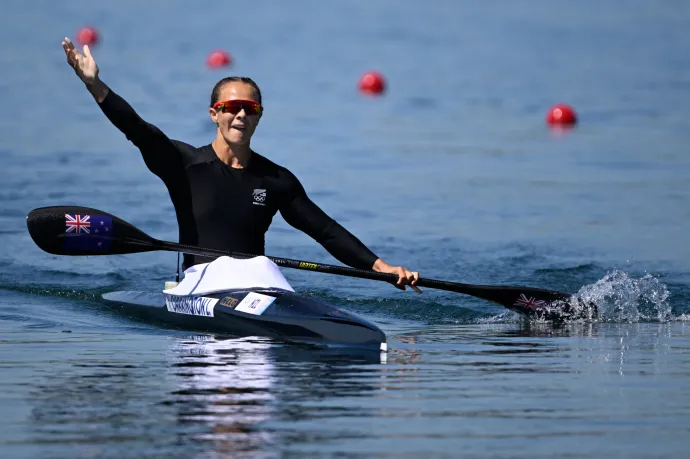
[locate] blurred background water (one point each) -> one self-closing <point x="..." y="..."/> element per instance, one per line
<point x="452" y="172"/>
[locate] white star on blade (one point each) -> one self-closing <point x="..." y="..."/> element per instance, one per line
<point x="100" y="244"/>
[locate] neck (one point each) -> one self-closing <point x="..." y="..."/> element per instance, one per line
<point x="236" y="156"/>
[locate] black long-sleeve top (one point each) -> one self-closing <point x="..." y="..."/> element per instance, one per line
<point x="227" y="208"/>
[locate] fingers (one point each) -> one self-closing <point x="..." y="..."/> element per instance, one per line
<point x="73" y="59"/>
<point x="413" y="282"/>
<point x="406" y="277"/>
<point x="71" y="54"/>
<point x="69" y="48"/>
<point x="87" y="52"/>
<point x="67" y="45"/>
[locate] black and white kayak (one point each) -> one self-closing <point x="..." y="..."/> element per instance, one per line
<point x="249" y="297"/>
<point x="258" y="312"/>
<point x="271" y="313"/>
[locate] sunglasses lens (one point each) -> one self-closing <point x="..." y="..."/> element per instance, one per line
<point x="256" y="109"/>
<point x="251" y="108"/>
<point x="234" y="107"/>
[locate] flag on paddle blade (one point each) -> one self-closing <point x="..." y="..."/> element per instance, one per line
<point x="529" y="302"/>
<point x="88" y="233"/>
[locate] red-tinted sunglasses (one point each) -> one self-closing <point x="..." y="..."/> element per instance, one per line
<point x="236" y="105"/>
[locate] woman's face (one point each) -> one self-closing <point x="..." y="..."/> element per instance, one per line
<point x="237" y="128"/>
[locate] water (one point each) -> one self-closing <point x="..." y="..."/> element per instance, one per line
<point x="452" y="173"/>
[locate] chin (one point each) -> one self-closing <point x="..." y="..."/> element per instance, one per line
<point x="236" y="138"/>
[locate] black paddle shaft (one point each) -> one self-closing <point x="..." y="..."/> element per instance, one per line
<point x="505" y="295"/>
<point x="78" y="231"/>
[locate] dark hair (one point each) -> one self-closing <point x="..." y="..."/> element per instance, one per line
<point x="215" y="94"/>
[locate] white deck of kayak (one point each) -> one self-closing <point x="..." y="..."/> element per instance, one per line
<point x="227" y="273"/>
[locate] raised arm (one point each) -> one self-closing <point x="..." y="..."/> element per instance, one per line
<point x="159" y="152"/>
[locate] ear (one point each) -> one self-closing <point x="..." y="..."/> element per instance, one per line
<point x="214" y="115"/>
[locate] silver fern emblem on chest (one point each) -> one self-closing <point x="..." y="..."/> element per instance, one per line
<point x="259" y="196"/>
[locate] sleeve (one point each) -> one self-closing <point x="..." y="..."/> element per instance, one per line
<point x="302" y="213"/>
<point x="159" y="152"/>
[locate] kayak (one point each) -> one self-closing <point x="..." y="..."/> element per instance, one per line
<point x="248" y="297"/>
<point x="257" y="312"/>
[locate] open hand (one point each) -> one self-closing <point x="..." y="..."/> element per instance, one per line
<point x="84" y="65"/>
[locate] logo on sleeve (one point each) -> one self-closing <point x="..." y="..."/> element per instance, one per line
<point x="259" y="197"/>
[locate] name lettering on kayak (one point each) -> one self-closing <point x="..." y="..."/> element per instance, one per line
<point x="255" y="303"/>
<point x="304" y="264"/>
<point x="228" y="301"/>
<point x="194" y="306"/>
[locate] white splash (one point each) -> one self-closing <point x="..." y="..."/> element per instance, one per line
<point x="621" y="298"/>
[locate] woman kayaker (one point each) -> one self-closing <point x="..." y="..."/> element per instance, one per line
<point x="225" y="194"/>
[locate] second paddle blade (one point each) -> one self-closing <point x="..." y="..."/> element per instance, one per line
<point x="544" y="304"/>
<point x="74" y="230"/>
<point x="528" y="301"/>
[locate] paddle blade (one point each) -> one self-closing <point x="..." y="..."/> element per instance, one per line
<point x="547" y="304"/>
<point x="74" y="230"/>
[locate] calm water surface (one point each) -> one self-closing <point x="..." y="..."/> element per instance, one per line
<point x="452" y="173"/>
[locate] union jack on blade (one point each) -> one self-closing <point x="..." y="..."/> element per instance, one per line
<point x="78" y="223"/>
<point x="530" y="302"/>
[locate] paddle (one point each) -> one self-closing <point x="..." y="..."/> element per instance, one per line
<point x="75" y="231"/>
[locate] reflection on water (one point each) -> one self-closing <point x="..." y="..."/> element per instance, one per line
<point x="203" y="395"/>
<point x="234" y="386"/>
<point x="443" y="389"/>
<point x="225" y="385"/>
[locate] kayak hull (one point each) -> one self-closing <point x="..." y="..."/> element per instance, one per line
<point x="270" y="313"/>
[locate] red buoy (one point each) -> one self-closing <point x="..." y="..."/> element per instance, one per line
<point x="87" y="36"/>
<point x="218" y="58"/>
<point x="561" y="115"/>
<point x="372" y="83"/>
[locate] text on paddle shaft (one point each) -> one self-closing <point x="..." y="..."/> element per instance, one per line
<point x="195" y="306"/>
<point x="304" y="264"/>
